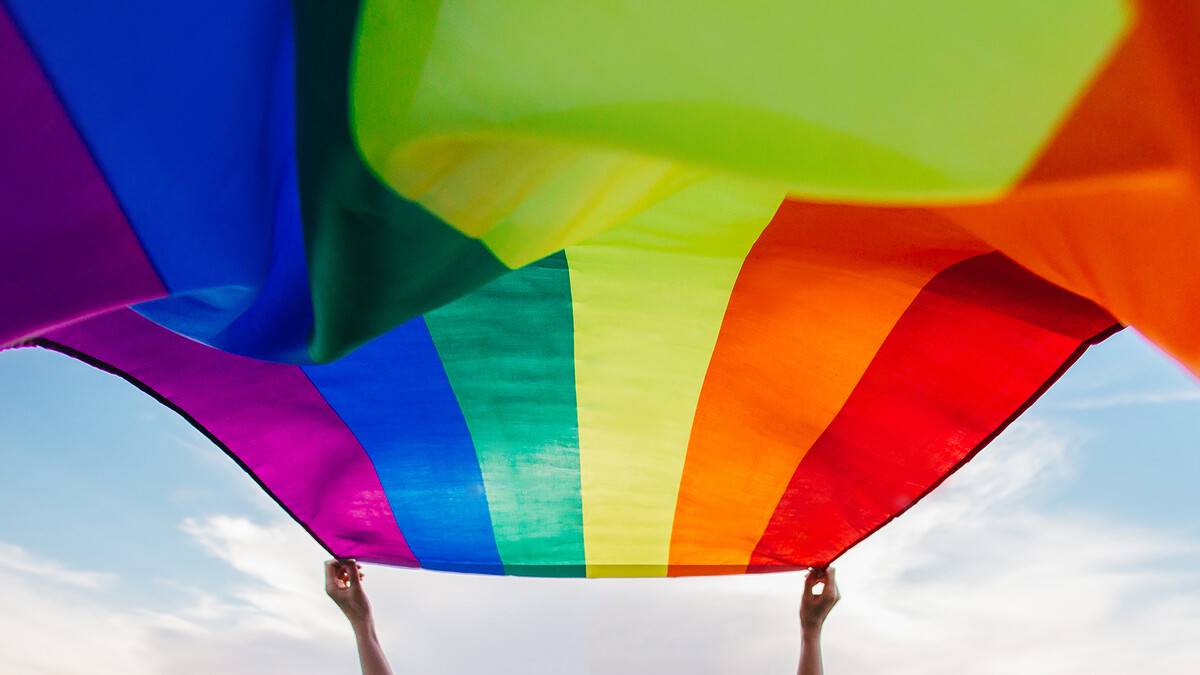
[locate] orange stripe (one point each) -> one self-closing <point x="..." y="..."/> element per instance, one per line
<point x="1110" y="211"/>
<point x="980" y="342"/>
<point x="815" y="299"/>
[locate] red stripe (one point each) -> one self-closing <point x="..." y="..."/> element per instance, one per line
<point x="979" y="343"/>
<point x="818" y="294"/>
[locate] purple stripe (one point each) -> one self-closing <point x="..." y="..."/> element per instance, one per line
<point x="66" y="250"/>
<point x="270" y="417"/>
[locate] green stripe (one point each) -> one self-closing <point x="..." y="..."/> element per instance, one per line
<point x="508" y="350"/>
<point x="375" y="259"/>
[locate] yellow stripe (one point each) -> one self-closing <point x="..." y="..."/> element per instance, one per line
<point x="649" y="297"/>
<point x="528" y="198"/>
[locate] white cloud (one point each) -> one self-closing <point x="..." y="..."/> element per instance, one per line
<point x="66" y="621"/>
<point x="980" y="578"/>
<point x="18" y="560"/>
<point x="53" y="622"/>
<point x="1134" y="398"/>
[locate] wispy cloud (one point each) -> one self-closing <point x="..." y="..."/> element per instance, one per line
<point x="65" y="621"/>
<point x="14" y="559"/>
<point x="283" y="569"/>
<point x="1134" y="398"/>
<point x="54" y="621"/>
<point x="977" y="579"/>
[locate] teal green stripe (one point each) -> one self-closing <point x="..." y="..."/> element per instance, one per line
<point x="508" y="350"/>
<point x="375" y="260"/>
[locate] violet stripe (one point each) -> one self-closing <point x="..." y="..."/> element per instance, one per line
<point x="66" y="250"/>
<point x="271" y="417"/>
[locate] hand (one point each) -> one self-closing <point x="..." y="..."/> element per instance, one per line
<point x="343" y="583"/>
<point x="814" y="608"/>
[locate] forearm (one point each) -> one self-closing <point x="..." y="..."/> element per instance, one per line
<point x="810" y="653"/>
<point x="370" y="654"/>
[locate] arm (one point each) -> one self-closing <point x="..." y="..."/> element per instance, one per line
<point x="343" y="583"/>
<point x="813" y="610"/>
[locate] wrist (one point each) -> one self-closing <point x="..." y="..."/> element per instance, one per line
<point x="363" y="625"/>
<point x="811" y="631"/>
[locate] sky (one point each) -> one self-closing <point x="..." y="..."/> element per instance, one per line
<point x="130" y="544"/>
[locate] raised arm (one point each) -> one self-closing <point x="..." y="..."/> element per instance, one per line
<point x="343" y="583"/>
<point x="813" y="610"/>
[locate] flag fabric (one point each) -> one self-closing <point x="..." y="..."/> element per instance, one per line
<point x="622" y="289"/>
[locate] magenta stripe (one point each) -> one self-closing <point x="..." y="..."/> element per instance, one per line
<point x="66" y="250"/>
<point x="270" y="417"/>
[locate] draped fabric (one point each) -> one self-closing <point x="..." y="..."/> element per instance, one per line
<point x="626" y="289"/>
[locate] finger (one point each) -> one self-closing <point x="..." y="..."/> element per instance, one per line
<point x="332" y="570"/>
<point x="815" y="576"/>
<point x="334" y="580"/>
<point x="830" y="581"/>
<point x="352" y="579"/>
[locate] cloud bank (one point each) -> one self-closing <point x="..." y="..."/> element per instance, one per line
<point x="980" y="578"/>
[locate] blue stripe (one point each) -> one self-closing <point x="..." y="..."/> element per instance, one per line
<point x="394" y="396"/>
<point x="276" y="327"/>
<point x="188" y="109"/>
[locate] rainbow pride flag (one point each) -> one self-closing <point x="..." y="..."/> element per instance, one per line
<point x="611" y="289"/>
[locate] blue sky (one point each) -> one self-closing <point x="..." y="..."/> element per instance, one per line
<point x="128" y="534"/>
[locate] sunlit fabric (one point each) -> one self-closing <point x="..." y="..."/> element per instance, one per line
<point x="618" y="289"/>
